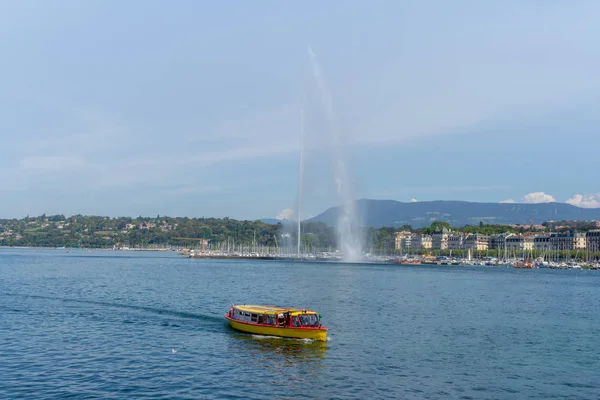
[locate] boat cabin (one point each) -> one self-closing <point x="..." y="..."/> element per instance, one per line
<point x="275" y="316"/>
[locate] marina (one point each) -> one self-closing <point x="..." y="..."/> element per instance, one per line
<point x="400" y="260"/>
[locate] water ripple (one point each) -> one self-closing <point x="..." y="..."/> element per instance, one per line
<point x="128" y="326"/>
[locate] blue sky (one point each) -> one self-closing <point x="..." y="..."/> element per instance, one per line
<point x="192" y="108"/>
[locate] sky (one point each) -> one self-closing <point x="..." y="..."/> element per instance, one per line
<point x="192" y="108"/>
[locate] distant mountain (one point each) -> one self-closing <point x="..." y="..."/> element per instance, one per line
<point x="271" y="221"/>
<point x="378" y="213"/>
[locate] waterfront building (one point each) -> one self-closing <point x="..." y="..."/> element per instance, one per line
<point x="498" y="242"/>
<point x="579" y="241"/>
<point x="542" y="243"/>
<point x="421" y="242"/>
<point x="476" y="241"/>
<point x="529" y="240"/>
<point x="439" y="239"/>
<point x="426" y="242"/>
<point x="592" y="239"/>
<point x="514" y="242"/>
<point x="568" y="241"/>
<point x="403" y="240"/>
<point x="455" y="241"/>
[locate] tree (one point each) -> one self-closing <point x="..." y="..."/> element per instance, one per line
<point x="310" y="241"/>
<point x="437" y="226"/>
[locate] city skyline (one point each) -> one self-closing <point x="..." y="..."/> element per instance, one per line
<point x="193" y="109"/>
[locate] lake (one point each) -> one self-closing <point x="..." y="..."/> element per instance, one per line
<point x="104" y="324"/>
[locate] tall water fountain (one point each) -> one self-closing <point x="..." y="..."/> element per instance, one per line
<point x="300" y="179"/>
<point x="349" y="235"/>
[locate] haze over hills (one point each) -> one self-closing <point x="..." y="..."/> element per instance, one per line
<point x="378" y="213"/>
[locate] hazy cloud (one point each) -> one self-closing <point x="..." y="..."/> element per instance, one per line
<point x="286" y="214"/>
<point x="507" y="201"/>
<point x="585" y="201"/>
<point x="538" y="197"/>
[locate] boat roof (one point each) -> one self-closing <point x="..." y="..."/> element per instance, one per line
<point x="262" y="309"/>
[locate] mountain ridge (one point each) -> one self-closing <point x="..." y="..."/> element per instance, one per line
<point x="379" y="213"/>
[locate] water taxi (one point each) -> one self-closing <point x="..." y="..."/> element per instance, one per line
<point x="277" y="321"/>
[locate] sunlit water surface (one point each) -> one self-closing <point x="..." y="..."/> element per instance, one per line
<point x="150" y="325"/>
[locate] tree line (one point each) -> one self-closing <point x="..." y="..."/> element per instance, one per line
<point x="103" y="232"/>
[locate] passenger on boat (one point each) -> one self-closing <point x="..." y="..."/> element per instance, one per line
<point x="306" y="320"/>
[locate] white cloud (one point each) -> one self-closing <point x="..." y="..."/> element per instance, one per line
<point x="585" y="201"/>
<point x="538" y="197"/>
<point x="413" y="200"/>
<point x="579" y="200"/>
<point x="286" y="214"/>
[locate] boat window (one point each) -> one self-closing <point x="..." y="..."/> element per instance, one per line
<point x="309" y="320"/>
<point x="243" y="316"/>
<point x="295" y="321"/>
<point x="254" y="317"/>
<point x="270" y="320"/>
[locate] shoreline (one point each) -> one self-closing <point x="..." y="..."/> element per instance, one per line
<point x="88" y="249"/>
<point x="334" y="259"/>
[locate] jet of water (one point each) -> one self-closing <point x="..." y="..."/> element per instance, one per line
<point x="300" y="178"/>
<point x="349" y="237"/>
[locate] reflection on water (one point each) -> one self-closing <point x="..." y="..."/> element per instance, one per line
<point x="293" y="350"/>
<point x="288" y="362"/>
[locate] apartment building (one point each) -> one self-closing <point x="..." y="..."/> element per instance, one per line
<point x="476" y="241"/>
<point x="455" y="241"/>
<point x="403" y="240"/>
<point x="542" y="243"/>
<point x="498" y="242"/>
<point x="514" y="242"/>
<point x="421" y="242"/>
<point x="568" y="241"/>
<point x="439" y="239"/>
<point x="592" y="239"/>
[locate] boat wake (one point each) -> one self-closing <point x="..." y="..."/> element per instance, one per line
<point x="159" y="311"/>
<point x="267" y="337"/>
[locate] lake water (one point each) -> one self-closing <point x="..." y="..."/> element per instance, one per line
<point x="150" y="325"/>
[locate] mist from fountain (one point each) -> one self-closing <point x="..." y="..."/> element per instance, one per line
<point x="300" y="180"/>
<point x="349" y="234"/>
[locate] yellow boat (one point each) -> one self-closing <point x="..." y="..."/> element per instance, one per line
<point x="277" y="321"/>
